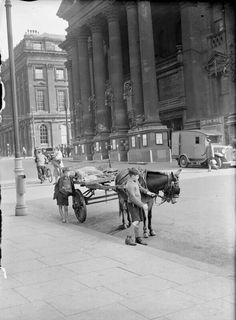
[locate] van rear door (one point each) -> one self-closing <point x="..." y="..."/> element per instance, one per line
<point x="199" y="146"/>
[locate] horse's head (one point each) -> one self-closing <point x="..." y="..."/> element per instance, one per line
<point x="172" y="190"/>
<point x="167" y="183"/>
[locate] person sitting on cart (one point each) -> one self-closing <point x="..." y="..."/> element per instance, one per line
<point x="41" y="161"/>
<point x="136" y="207"/>
<point x="63" y="189"/>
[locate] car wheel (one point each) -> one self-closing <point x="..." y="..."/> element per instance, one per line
<point x="183" y="162"/>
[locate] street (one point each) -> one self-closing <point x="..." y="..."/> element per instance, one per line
<point x="200" y="226"/>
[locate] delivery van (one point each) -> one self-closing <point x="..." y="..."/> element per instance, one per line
<point x="188" y="148"/>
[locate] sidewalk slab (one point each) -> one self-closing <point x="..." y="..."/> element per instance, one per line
<point x="63" y="271"/>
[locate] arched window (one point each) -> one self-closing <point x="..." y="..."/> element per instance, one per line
<point x="43" y="134"/>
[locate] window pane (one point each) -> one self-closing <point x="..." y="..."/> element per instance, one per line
<point x="133" y="141"/>
<point x="159" y="138"/>
<point x="38" y="73"/>
<point x="144" y="140"/>
<point x="43" y="134"/>
<point x="60" y="74"/>
<point x="61" y="97"/>
<point x="40" y="100"/>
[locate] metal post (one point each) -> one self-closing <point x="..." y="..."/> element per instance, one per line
<point x="67" y="128"/>
<point x="34" y="139"/>
<point x="20" y="208"/>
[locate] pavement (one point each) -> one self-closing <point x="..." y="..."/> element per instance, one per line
<point x="64" y="271"/>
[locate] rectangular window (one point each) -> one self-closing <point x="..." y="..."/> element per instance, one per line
<point x="82" y="148"/>
<point x="97" y="146"/>
<point x="144" y="137"/>
<point x="40" y="99"/>
<point x="133" y="141"/>
<point x="61" y="100"/>
<point x="197" y="140"/>
<point x="60" y="74"/>
<point x="113" y="144"/>
<point x="38" y="73"/>
<point x="37" y="45"/>
<point x="159" y="138"/>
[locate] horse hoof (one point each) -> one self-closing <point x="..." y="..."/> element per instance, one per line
<point x="145" y="235"/>
<point x="152" y="233"/>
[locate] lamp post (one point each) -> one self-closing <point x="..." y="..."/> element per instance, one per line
<point x="20" y="208"/>
<point x="67" y="128"/>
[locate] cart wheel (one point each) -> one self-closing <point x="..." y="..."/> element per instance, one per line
<point x="79" y="206"/>
<point x="183" y="162"/>
<point x="49" y="175"/>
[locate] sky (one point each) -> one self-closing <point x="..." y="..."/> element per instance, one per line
<point x="37" y="15"/>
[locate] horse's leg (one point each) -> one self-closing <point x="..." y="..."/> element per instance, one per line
<point x="125" y="214"/>
<point x="145" y="229"/>
<point x="151" y="231"/>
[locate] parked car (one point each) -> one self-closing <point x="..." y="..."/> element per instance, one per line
<point x="188" y="147"/>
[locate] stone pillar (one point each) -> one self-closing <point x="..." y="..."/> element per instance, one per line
<point x="101" y="114"/>
<point x="76" y="88"/>
<point x="134" y="58"/>
<point x="102" y="125"/>
<point x="68" y="65"/>
<point x="116" y="71"/>
<point x="150" y="97"/>
<point x="85" y="85"/>
<point x="85" y="90"/>
<point x="193" y="69"/>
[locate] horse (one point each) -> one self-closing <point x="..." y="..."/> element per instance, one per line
<point x="154" y="181"/>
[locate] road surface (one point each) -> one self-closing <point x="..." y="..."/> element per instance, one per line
<point x="201" y="225"/>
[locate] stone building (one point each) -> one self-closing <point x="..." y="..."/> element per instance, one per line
<point x="42" y="94"/>
<point x="139" y="70"/>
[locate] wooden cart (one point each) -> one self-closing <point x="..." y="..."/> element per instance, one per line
<point x="83" y="198"/>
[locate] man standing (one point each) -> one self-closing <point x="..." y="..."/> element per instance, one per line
<point x="136" y="207"/>
<point x="41" y="160"/>
<point x="209" y="154"/>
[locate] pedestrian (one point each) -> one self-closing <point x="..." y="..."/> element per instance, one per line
<point x="41" y="161"/>
<point x="24" y="151"/>
<point x="63" y="189"/>
<point x="57" y="164"/>
<point x="209" y="152"/>
<point x="136" y="207"/>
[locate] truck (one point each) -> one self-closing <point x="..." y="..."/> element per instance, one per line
<point x="188" y="148"/>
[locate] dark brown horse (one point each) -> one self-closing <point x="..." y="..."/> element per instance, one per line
<point x="154" y="181"/>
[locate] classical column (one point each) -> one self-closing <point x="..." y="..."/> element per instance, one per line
<point x="68" y="66"/>
<point x="134" y="58"/>
<point x="116" y="71"/>
<point x="85" y="85"/>
<point x="76" y="87"/>
<point x="149" y="80"/>
<point x="193" y="69"/>
<point x="99" y="78"/>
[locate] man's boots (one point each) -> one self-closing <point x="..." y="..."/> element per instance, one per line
<point x="139" y="240"/>
<point x="129" y="241"/>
